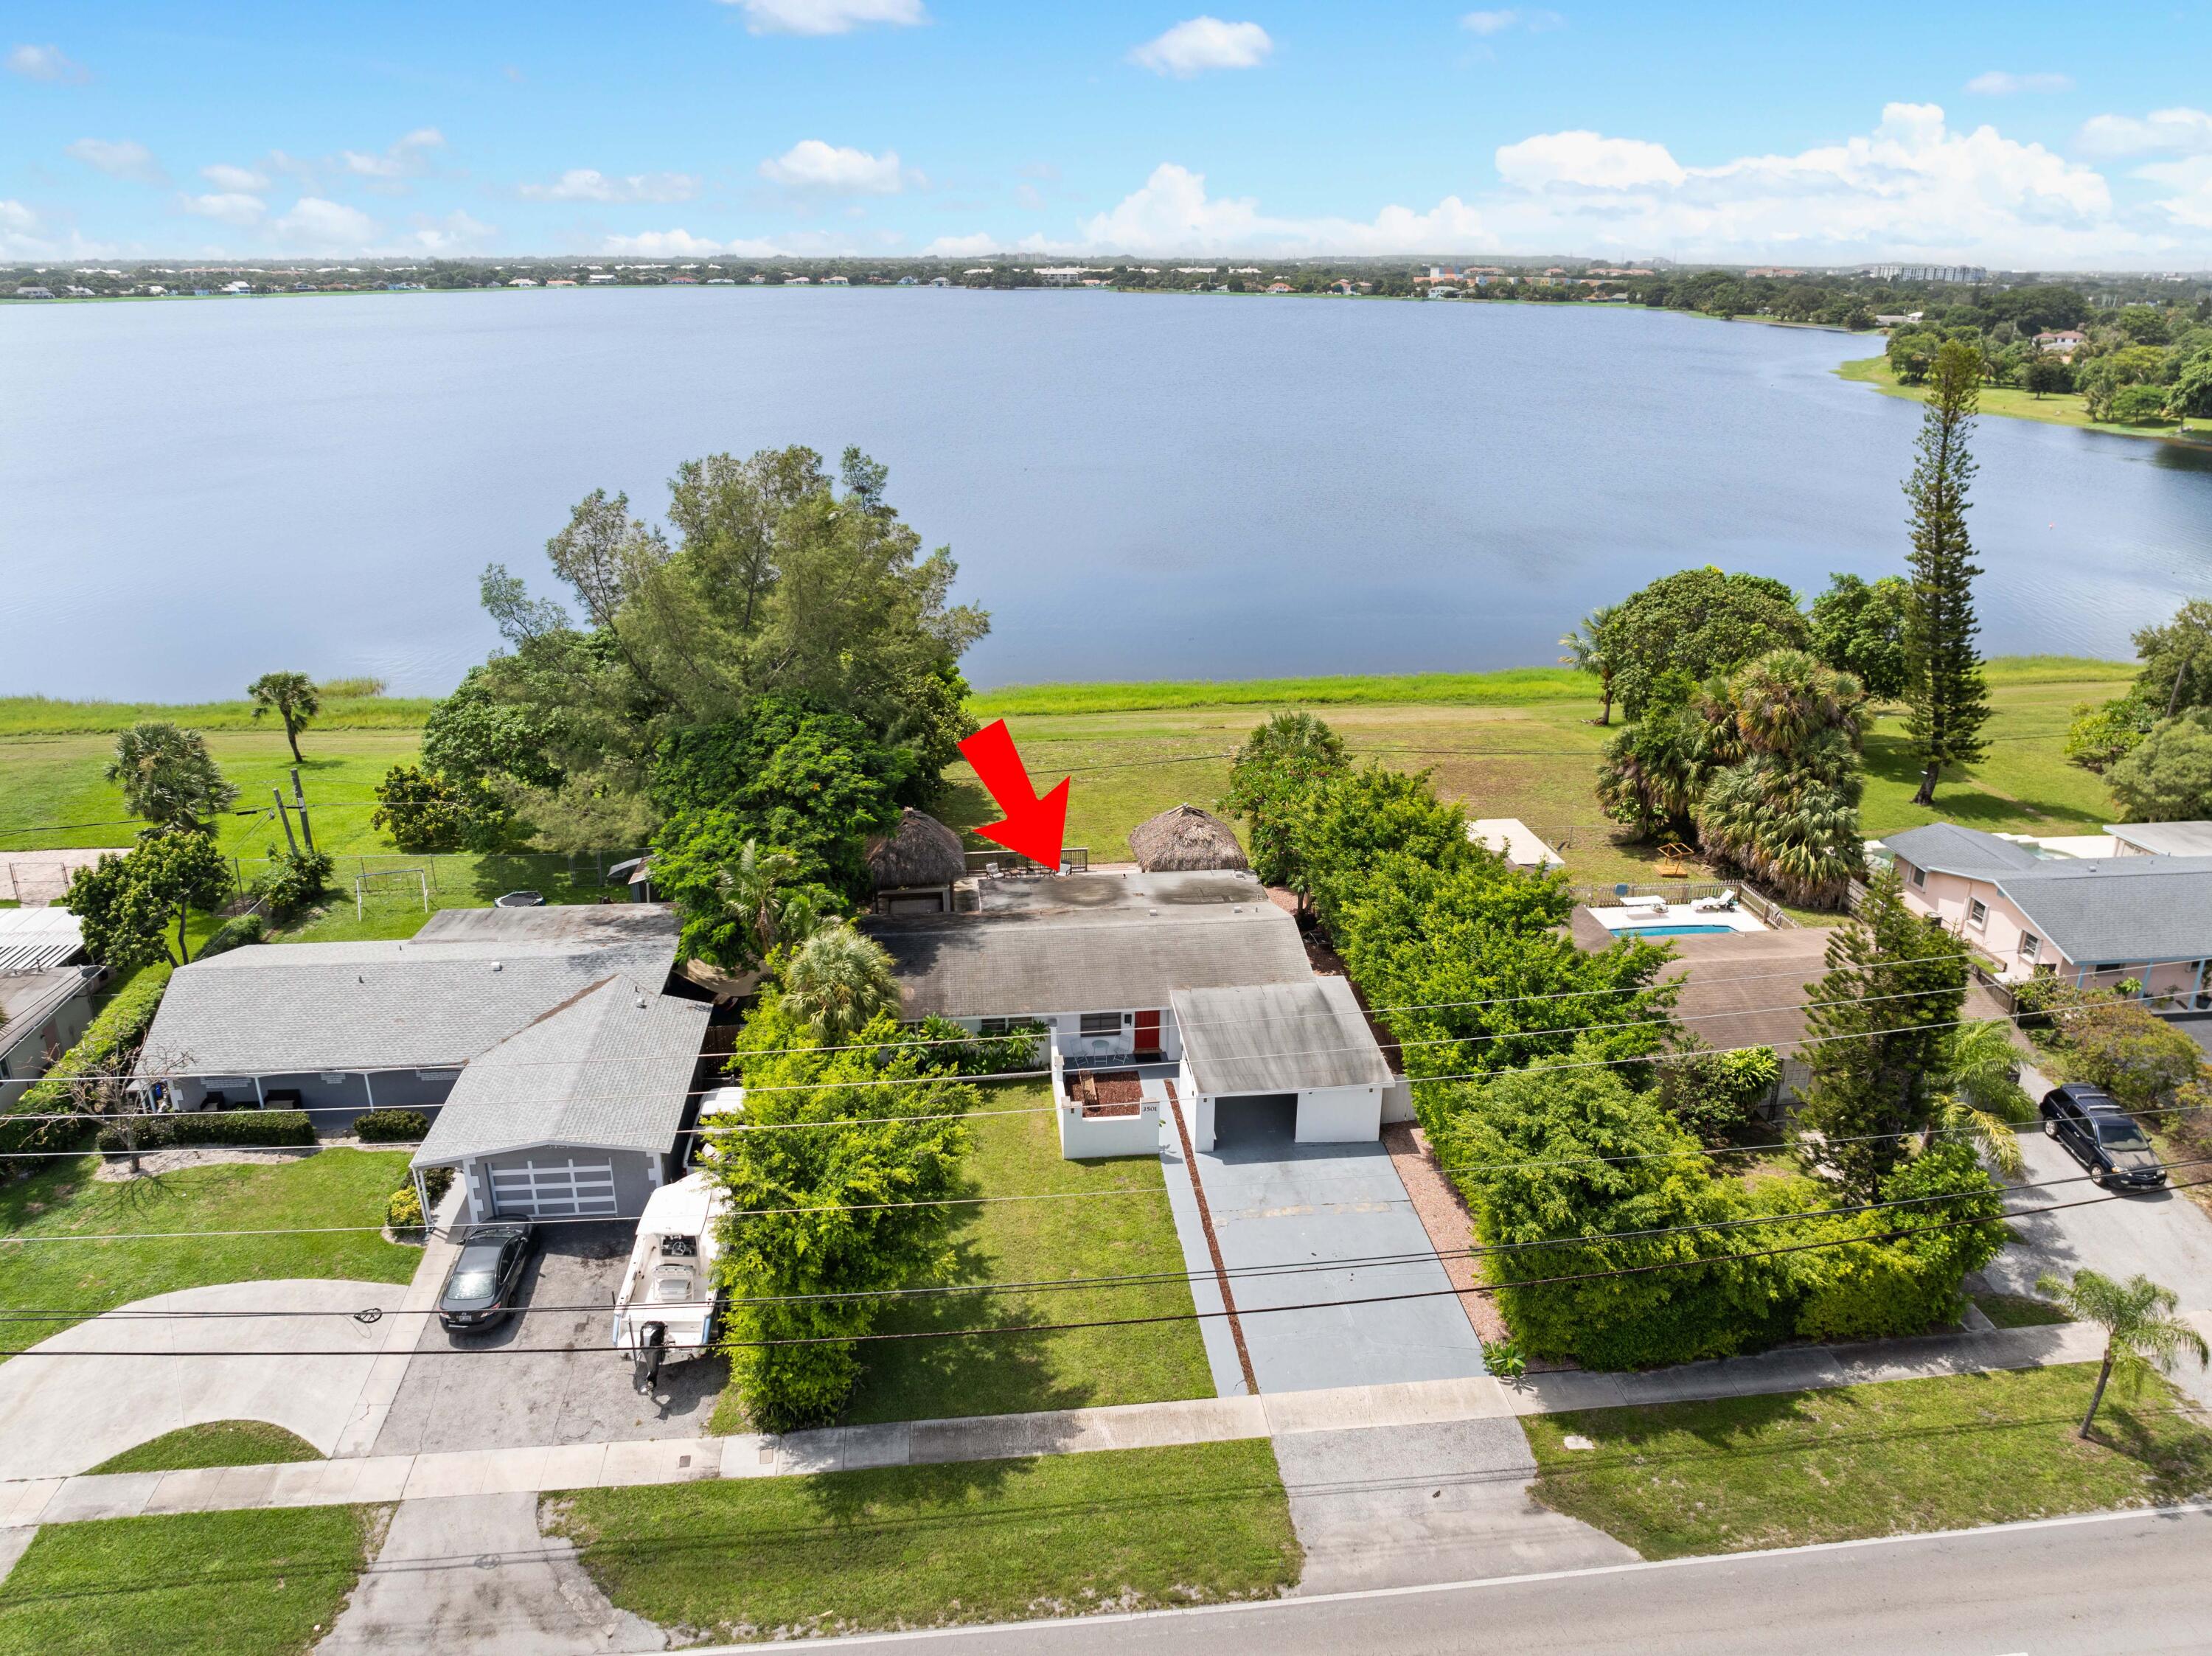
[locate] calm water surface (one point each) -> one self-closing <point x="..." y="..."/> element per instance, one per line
<point x="1135" y="487"/>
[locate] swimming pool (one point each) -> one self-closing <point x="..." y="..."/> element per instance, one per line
<point x="1670" y="931"/>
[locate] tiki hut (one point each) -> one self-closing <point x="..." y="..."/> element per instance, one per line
<point x="1184" y="840"/>
<point x="916" y="865"/>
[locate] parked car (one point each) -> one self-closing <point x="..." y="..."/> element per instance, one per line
<point x="2103" y="1136"/>
<point x="484" y="1285"/>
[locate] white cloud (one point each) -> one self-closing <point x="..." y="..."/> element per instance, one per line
<point x="223" y="177"/>
<point x="409" y="158"/>
<point x="316" y="224"/>
<point x="455" y="234"/>
<point x="1587" y="160"/>
<point x="978" y="245"/>
<point x="119" y="158"/>
<point x="46" y="64"/>
<point x="1487" y="23"/>
<point x="1174" y="214"/>
<point x="589" y="183"/>
<point x="230" y="207"/>
<point x="2176" y="131"/>
<point x="1999" y="83"/>
<point x="15" y="216"/>
<point x="826" y="16"/>
<point x="661" y="243"/>
<point x="1203" y="43"/>
<point x="812" y="164"/>
<point x="2190" y="178"/>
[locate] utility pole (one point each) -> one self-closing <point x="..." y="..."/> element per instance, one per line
<point x="299" y="800"/>
<point x="278" y="794"/>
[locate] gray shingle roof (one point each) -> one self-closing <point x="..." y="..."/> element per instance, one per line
<point x="1118" y="959"/>
<point x="1277" y="1038"/>
<point x="611" y="1069"/>
<point x="276" y="1009"/>
<point x="1946" y="848"/>
<point x="2127" y="909"/>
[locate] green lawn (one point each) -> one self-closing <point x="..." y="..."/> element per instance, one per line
<point x="1680" y="1479"/>
<point x="2063" y="409"/>
<point x="336" y="1187"/>
<point x="922" y="1546"/>
<point x="216" y="1443"/>
<point x="197" y="1584"/>
<point x="1038" y="1241"/>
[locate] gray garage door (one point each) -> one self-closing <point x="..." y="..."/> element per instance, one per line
<point x="562" y="1189"/>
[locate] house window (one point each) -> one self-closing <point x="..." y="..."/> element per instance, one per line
<point x="2114" y="965"/>
<point x="1977" y="912"/>
<point x="1919" y="874"/>
<point x="1101" y="1024"/>
<point x="991" y="1026"/>
<point x="2030" y="945"/>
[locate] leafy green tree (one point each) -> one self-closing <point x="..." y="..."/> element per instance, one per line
<point x="125" y="902"/>
<point x="2167" y="776"/>
<point x="2100" y="383"/>
<point x="421" y="810"/>
<point x="168" y="776"/>
<point x="739" y="904"/>
<point x="1700" y="622"/>
<point x="1653" y="772"/>
<point x="2177" y="659"/>
<point x="1271" y="781"/>
<point x="1946" y="699"/>
<point x="292" y="698"/>
<point x="2143" y="1329"/>
<point x="2105" y="732"/>
<point x="1858" y="628"/>
<point x="837" y="982"/>
<point x="823" y="1219"/>
<point x="1879" y="1019"/>
<point x="2190" y="395"/>
<point x="1361" y="816"/>
<point x="296" y="879"/>
<point x="2047" y="376"/>
<point x="1711" y="1094"/>
<point x="2121" y="1045"/>
<point x="1587" y="651"/>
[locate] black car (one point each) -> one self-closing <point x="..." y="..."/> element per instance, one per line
<point x="2103" y="1135"/>
<point x="484" y="1284"/>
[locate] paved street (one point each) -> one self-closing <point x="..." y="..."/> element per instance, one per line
<point x="2065" y="1587"/>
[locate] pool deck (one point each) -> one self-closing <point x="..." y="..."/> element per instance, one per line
<point x="1624" y="922"/>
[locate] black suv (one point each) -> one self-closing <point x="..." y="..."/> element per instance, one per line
<point x="481" y="1289"/>
<point x="2103" y="1136"/>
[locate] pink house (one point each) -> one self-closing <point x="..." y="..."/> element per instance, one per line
<point x="2096" y="921"/>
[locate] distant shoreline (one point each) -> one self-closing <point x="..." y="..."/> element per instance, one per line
<point x="2007" y="402"/>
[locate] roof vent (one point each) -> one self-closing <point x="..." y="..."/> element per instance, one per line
<point x="496" y="966"/>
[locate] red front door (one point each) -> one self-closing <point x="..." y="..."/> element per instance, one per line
<point x="1148" y="1031"/>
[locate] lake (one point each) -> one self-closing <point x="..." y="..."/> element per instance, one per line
<point x="1136" y="486"/>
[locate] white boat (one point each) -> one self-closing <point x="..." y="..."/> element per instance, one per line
<point x="666" y="1304"/>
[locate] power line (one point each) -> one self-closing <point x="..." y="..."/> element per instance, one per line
<point x="1194" y="1315"/>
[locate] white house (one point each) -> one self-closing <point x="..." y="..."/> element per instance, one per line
<point x="1306" y="1047"/>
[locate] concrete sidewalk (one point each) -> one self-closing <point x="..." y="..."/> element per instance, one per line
<point x="998" y="1437"/>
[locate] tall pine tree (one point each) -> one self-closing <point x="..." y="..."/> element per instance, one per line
<point x="1946" y="700"/>
<point x="1879" y="1019"/>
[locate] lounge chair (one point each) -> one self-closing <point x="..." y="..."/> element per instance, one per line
<point x="1725" y="903"/>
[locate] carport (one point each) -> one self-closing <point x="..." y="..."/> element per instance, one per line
<point x="1300" y="1052"/>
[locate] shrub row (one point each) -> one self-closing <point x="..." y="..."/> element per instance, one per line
<point x="391" y="1126"/>
<point x="282" y="1129"/>
<point x="115" y="1032"/>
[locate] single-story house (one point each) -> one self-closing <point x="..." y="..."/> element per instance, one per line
<point x="2161" y="838"/>
<point x="1305" y="1044"/>
<point x="2098" y="921"/>
<point x="578" y="1114"/>
<point x="38" y="939"/>
<point x="45" y="1013"/>
<point x="339" y="1029"/>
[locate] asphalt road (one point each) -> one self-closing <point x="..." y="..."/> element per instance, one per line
<point x="2094" y="1587"/>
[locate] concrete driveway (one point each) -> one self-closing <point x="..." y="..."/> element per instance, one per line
<point x="1275" y="1202"/>
<point x="64" y="1414"/>
<point x="491" y="1397"/>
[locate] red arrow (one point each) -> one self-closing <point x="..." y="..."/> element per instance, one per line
<point x="1035" y="828"/>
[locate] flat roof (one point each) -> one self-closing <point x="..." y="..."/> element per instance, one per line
<point x="2164" y="839"/>
<point x="1514" y="841"/>
<point x="1277" y="1038"/>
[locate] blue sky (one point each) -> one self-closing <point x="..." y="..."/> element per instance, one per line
<point x="2036" y="135"/>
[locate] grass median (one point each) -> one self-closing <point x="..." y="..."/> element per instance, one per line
<point x="1738" y="1474"/>
<point x="928" y="1546"/>
<point x="214" y="1443"/>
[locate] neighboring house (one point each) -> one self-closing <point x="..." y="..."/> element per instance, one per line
<point x="45" y="1012"/>
<point x="38" y="939"/>
<point x="2094" y="921"/>
<point x="2065" y="340"/>
<point x="339" y="1029"/>
<point x="2161" y="838"/>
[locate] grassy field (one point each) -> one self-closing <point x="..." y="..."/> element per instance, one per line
<point x="197" y="1584"/>
<point x="1516" y="744"/>
<point x="1038" y="1242"/>
<point x="924" y="1546"/>
<point x="2064" y="409"/>
<point x="335" y="1187"/>
<point x="216" y="1443"/>
<point x="1680" y="1479"/>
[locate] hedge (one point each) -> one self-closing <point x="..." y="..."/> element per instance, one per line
<point x="280" y="1128"/>
<point x="233" y="933"/>
<point x="391" y="1126"/>
<point x="117" y="1028"/>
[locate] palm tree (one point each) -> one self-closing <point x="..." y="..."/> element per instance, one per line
<point x="1978" y="1096"/>
<point x="837" y="982"/>
<point x="1588" y="652"/>
<point x="2142" y="1331"/>
<point x="752" y="894"/>
<point x="168" y="776"/>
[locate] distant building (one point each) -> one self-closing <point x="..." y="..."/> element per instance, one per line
<point x="1959" y="273"/>
<point x="601" y="278"/>
<point x="834" y="281"/>
<point x="522" y="282"/>
<point x="41" y="293"/>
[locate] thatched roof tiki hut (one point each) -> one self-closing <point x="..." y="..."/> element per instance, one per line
<point x="916" y="865"/>
<point x="1184" y="840"/>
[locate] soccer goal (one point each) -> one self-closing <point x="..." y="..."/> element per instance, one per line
<point x="386" y="882"/>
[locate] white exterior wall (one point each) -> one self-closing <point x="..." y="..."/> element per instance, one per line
<point x="1339" y="1115"/>
<point x="1398" y="1102"/>
<point x="1084" y="1050"/>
